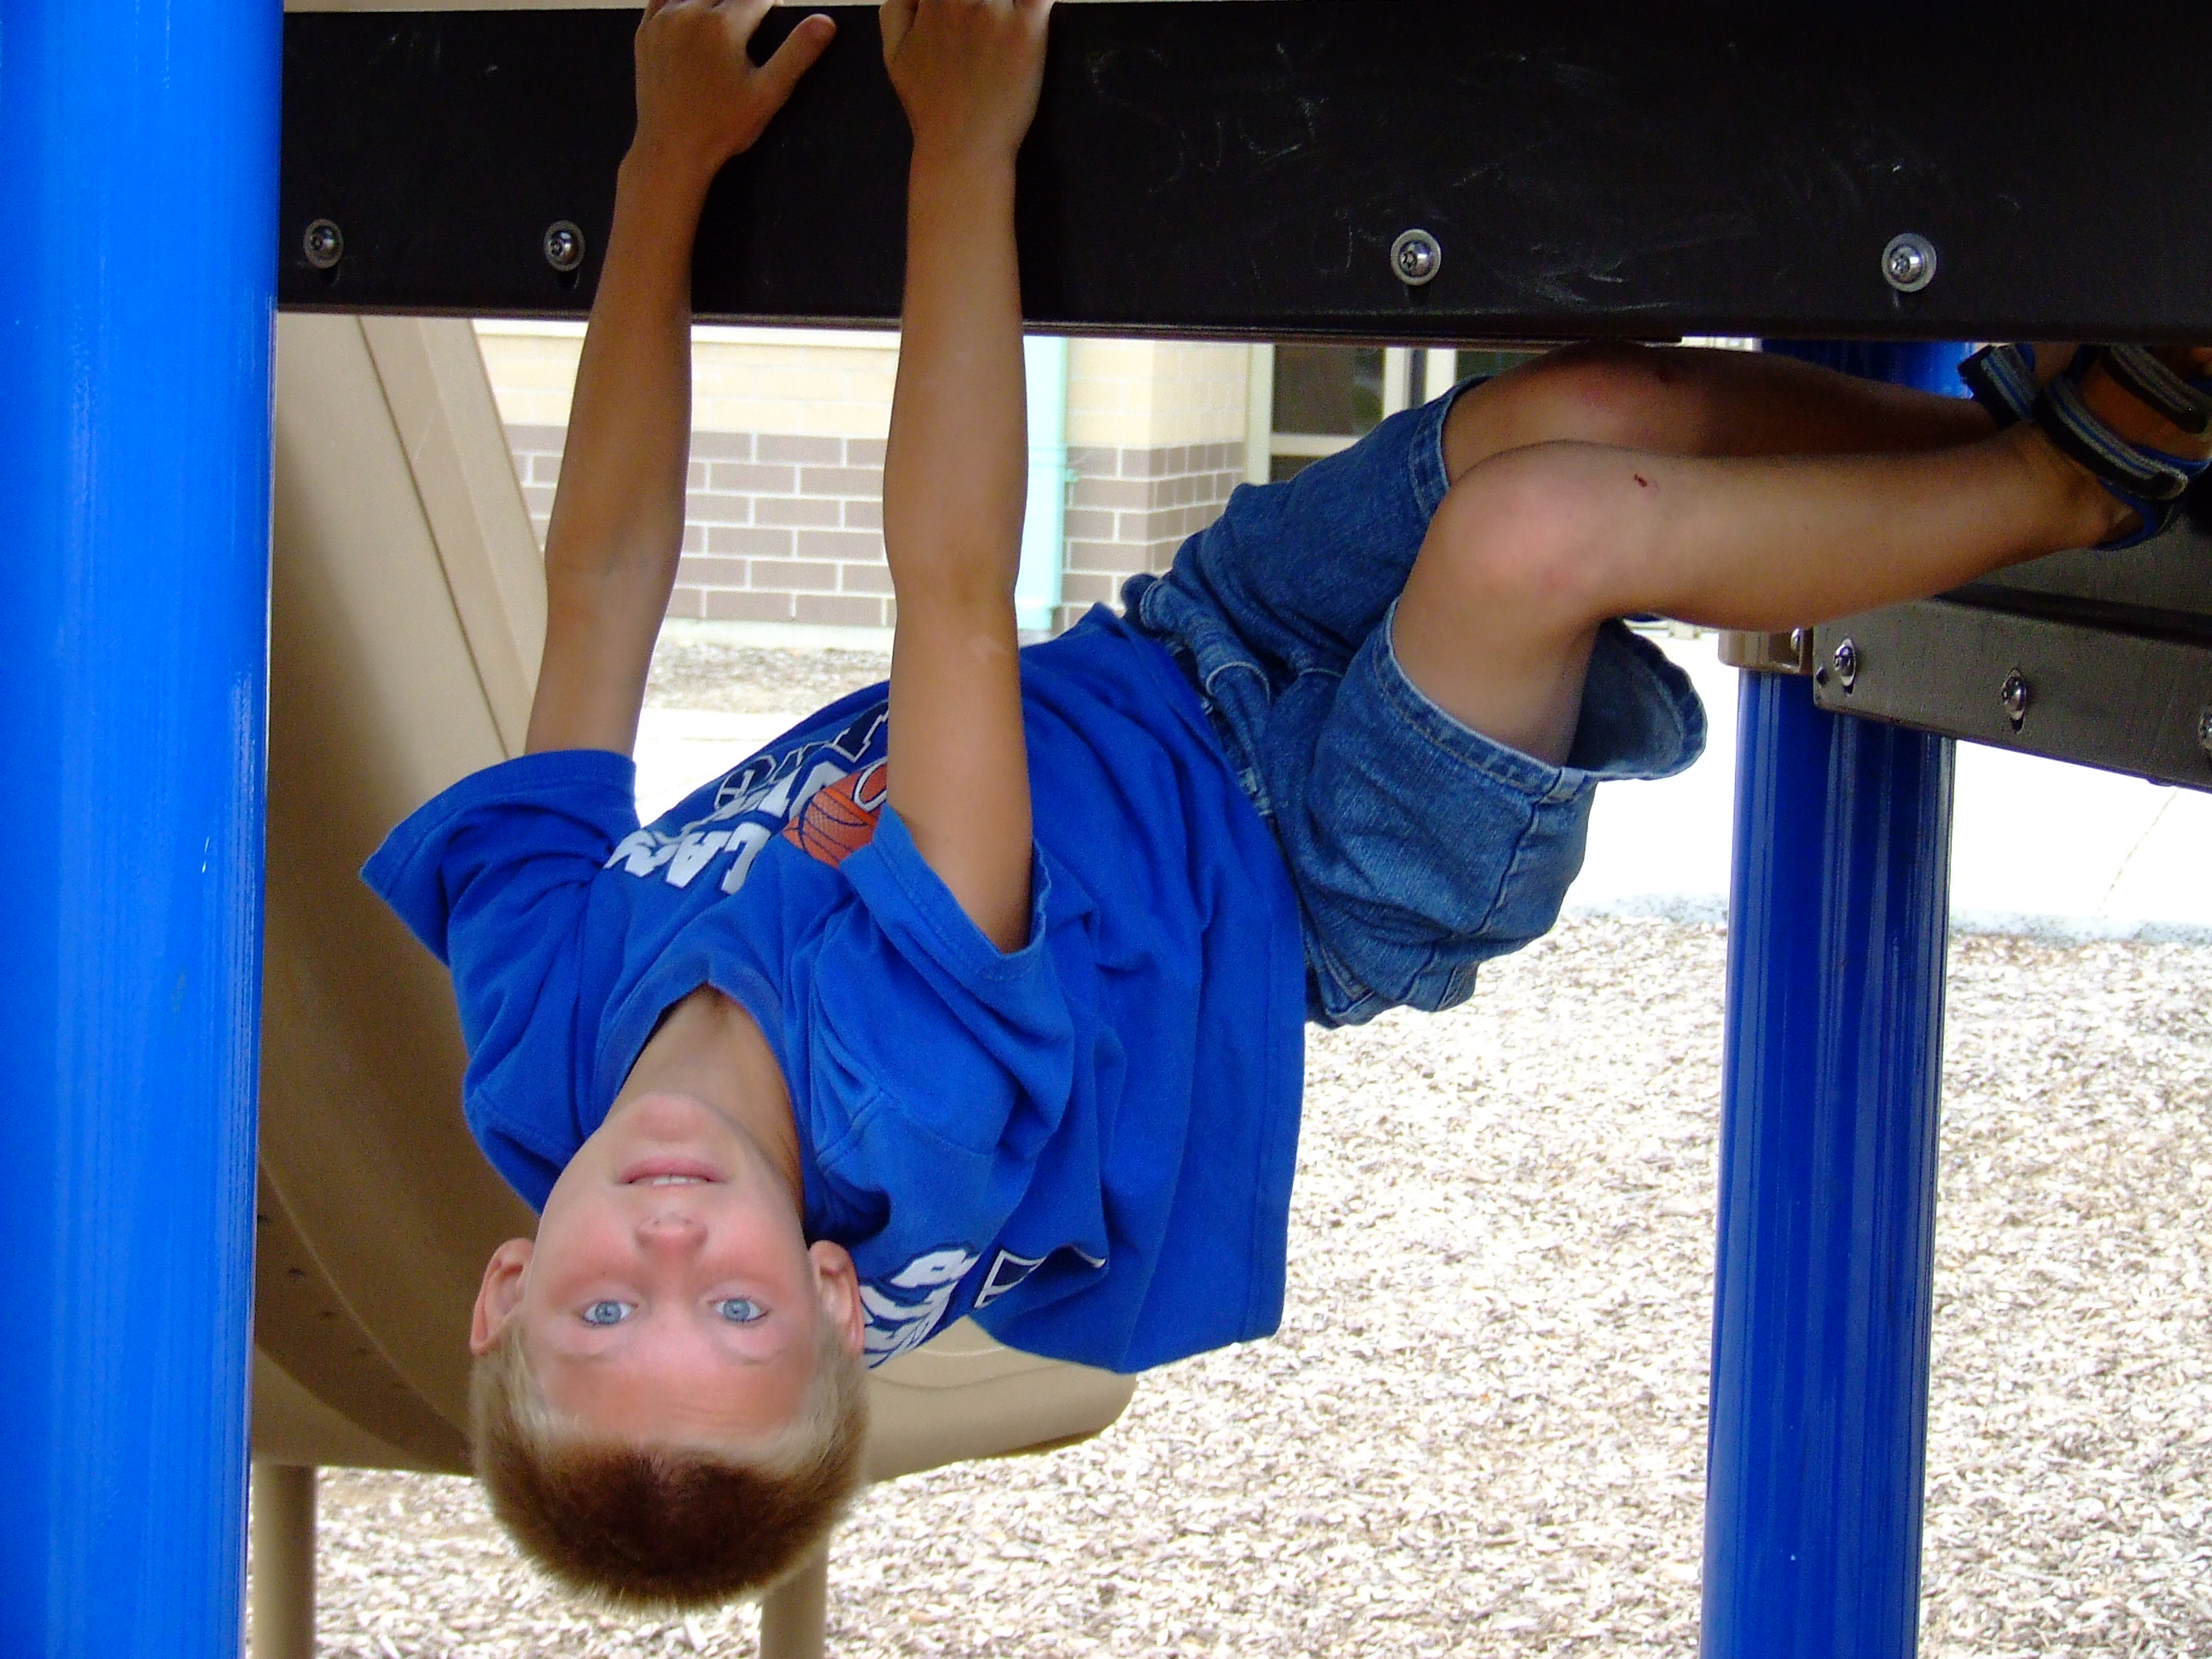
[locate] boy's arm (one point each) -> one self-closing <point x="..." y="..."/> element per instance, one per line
<point x="617" y="527"/>
<point x="968" y="72"/>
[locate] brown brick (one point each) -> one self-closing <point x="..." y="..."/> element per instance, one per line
<point x="731" y="605"/>
<point x="864" y="515"/>
<point x="1082" y="587"/>
<point x="839" y="609"/>
<point x="856" y="544"/>
<point x="1094" y="460"/>
<point x="807" y="452"/>
<point x="862" y="480"/>
<point x="799" y="576"/>
<point x="711" y="573"/>
<point x="717" y="506"/>
<point x="864" y="578"/>
<point x="1109" y="492"/>
<point x="545" y="469"/>
<point x="753" y="478"/>
<point x="530" y="439"/>
<point x="694" y="476"/>
<point x="684" y="602"/>
<point x="793" y="510"/>
<point x="1113" y="556"/>
<point x="746" y="539"/>
<point x="538" y="498"/>
<point x="695" y="539"/>
<point x="722" y="445"/>
<point x="864" y="452"/>
<point x="1089" y="524"/>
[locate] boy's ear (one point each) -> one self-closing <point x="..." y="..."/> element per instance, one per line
<point x="839" y="1287"/>
<point x="499" y="1296"/>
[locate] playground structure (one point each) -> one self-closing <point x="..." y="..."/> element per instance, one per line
<point x="1447" y="175"/>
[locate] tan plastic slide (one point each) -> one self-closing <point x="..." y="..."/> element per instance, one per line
<point x="408" y="606"/>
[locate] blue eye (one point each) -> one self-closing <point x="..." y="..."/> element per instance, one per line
<point x="740" y="1310"/>
<point x="606" y="1313"/>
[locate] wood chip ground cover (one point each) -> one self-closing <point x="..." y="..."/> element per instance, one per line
<point x="1481" y="1429"/>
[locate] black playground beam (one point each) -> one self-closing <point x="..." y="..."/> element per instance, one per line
<point x="1643" y="168"/>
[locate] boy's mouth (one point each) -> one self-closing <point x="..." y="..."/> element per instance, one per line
<point x="669" y="1172"/>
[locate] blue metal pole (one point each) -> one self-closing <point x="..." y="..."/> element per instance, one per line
<point x="138" y="188"/>
<point x="1837" y="923"/>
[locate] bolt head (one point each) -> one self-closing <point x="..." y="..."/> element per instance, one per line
<point x="2014" y="696"/>
<point x="1416" y="256"/>
<point x="1847" y="662"/>
<point x="1908" y="262"/>
<point x="564" y="245"/>
<point x="2205" y="732"/>
<point x="324" y="244"/>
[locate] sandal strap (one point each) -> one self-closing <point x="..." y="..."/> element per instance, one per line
<point x="2135" y="475"/>
<point x="2157" y="519"/>
<point x="2152" y="383"/>
<point x="2001" y="379"/>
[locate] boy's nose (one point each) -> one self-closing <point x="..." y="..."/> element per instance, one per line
<point x="670" y="1230"/>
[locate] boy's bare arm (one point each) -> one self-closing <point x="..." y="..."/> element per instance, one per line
<point x="968" y="72"/>
<point x="617" y="524"/>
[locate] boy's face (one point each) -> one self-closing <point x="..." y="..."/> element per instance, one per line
<point x="669" y="1294"/>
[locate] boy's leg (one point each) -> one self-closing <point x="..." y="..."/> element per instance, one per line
<point x="1536" y="546"/>
<point x="1700" y="401"/>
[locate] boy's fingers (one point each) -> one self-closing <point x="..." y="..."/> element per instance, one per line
<point x="744" y="15"/>
<point x="795" y="57"/>
<point x="894" y="18"/>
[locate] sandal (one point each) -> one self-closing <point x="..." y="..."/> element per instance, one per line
<point x="2185" y="404"/>
<point x="2151" y="482"/>
<point x="2002" y="380"/>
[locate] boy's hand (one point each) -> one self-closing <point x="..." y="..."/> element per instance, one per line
<point x="967" y="71"/>
<point x="700" y="98"/>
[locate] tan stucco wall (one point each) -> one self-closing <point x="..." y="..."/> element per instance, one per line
<point x="1123" y="394"/>
<point x="1155" y="394"/>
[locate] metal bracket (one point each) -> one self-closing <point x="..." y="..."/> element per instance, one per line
<point x="1768" y="653"/>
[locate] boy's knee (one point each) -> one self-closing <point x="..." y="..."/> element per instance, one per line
<point x="1527" y="534"/>
<point x="1600" y="392"/>
<point x="1606" y="392"/>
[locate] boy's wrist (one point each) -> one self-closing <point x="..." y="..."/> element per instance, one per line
<point x="665" y="177"/>
<point x="956" y="167"/>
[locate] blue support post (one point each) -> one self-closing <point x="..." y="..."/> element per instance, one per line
<point x="139" y="148"/>
<point x="1837" y="923"/>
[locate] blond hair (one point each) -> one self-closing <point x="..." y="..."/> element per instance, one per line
<point x="664" y="1527"/>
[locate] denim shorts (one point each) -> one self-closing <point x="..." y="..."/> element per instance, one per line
<point x="1419" y="849"/>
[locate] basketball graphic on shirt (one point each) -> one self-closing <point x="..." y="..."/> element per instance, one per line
<point x="841" y="819"/>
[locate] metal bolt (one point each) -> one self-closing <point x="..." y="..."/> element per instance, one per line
<point x="324" y="244"/>
<point x="1847" y="662"/>
<point x="564" y="245"/>
<point x="2014" y="694"/>
<point x="2205" y="732"/>
<point x="1416" y="256"/>
<point x="1908" y="264"/>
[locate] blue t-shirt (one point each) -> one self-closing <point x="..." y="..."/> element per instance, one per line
<point x="1086" y="1143"/>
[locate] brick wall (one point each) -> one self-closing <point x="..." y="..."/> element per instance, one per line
<point x="782" y="528"/>
<point x="1130" y="510"/>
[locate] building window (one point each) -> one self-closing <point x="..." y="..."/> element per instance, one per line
<point x="1321" y="399"/>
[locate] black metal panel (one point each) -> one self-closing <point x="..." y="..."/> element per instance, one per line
<point x="1637" y="168"/>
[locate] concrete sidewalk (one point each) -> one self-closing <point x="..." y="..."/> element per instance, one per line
<point x="2040" y="849"/>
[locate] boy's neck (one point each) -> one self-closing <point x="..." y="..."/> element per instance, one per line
<point x="709" y="1046"/>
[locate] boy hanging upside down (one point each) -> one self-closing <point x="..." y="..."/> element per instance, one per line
<point x="982" y="992"/>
